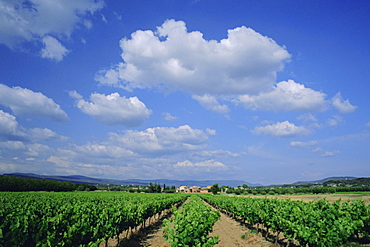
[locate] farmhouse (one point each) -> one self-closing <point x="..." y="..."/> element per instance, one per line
<point x="193" y="189"/>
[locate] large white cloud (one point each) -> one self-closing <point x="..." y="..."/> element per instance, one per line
<point x="151" y="143"/>
<point x="240" y="68"/>
<point x="160" y="152"/>
<point x="33" y="20"/>
<point x="25" y="101"/>
<point x="113" y="109"/>
<point x="148" y="147"/>
<point x="341" y="105"/>
<point x="161" y="140"/>
<point x="246" y="62"/>
<point x="286" y="96"/>
<point x="282" y="129"/>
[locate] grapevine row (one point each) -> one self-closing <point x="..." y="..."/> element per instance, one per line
<point x="319" y="223"/>
<point x="191" y="225"/>
<point x="74" y="219"/>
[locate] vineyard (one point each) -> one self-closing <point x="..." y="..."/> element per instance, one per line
<point x="191" y="225"/>
<point x="318" y="223"/>
<point x="90" y="218"/>
<point x="74" y="219"/>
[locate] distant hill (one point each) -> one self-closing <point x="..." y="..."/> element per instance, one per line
<point x="321" y="181"/>
<point x="102" y="181"/>
<point x="349" y="182"/>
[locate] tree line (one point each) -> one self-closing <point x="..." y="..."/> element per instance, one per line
<point x="294" y="190"/>
<point x="15" y="184"/>
<point x="151" y="188"/>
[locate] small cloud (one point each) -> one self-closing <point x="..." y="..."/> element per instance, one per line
<point x="103" y="18"/>
<point x="367" y="125"/>
<point x="330" y="153"/>
<point x="303" y="144"/>
<point x="74" y="94"/>
<point x="341" y="105"/>
<point x="53" y="49"/>
<point x="282" y="129"/>
<point x="335" y="120"/>
<point x="167" y="116"/>
<point x="119" y="17"/>
<point x="211" y="103"/>
<point x="307" y="118"/>
<point x="211" y="132"/>
<point x="316" y="150"/>
<point x="208" y="163"/>
<point x="88" y="24"/>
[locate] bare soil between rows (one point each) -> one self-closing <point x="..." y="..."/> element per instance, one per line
<point x="230" y="234"/>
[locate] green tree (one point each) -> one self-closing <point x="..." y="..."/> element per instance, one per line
<point x="215" y="189"/>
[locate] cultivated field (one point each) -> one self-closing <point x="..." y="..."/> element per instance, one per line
<point x="330" y="197"/>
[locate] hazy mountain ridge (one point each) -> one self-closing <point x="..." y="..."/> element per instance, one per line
<point x="102" y="181"/>
<point x="321" y="181"/>
<point x="168" y="182"/>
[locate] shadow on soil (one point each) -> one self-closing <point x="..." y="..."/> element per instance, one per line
<point x="139" y="239"/>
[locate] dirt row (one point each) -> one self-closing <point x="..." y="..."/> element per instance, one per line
<point x="231" y="233"/>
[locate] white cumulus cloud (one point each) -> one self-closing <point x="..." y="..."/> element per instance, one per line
<point x="113" y="109"/>
<point x="334" y="120"/>
<point x="161" y="140"/>
<point x="286" y="96"/>
<point x="43" y="134"/>
<point x="33" y="20"/>
<point x="10" y="130"/>
<point x="167" y="116"/>
<point x="25" y="101"/>
<point x="53" y="49"/>
<point x="246" y="62"/>
<point x="156" y="150"/>
<point x="211" y="103"/>
<point x="343" y="106"/>
<point x="282" y="129"/>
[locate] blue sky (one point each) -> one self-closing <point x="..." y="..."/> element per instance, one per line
<point x="268" y="92"/>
